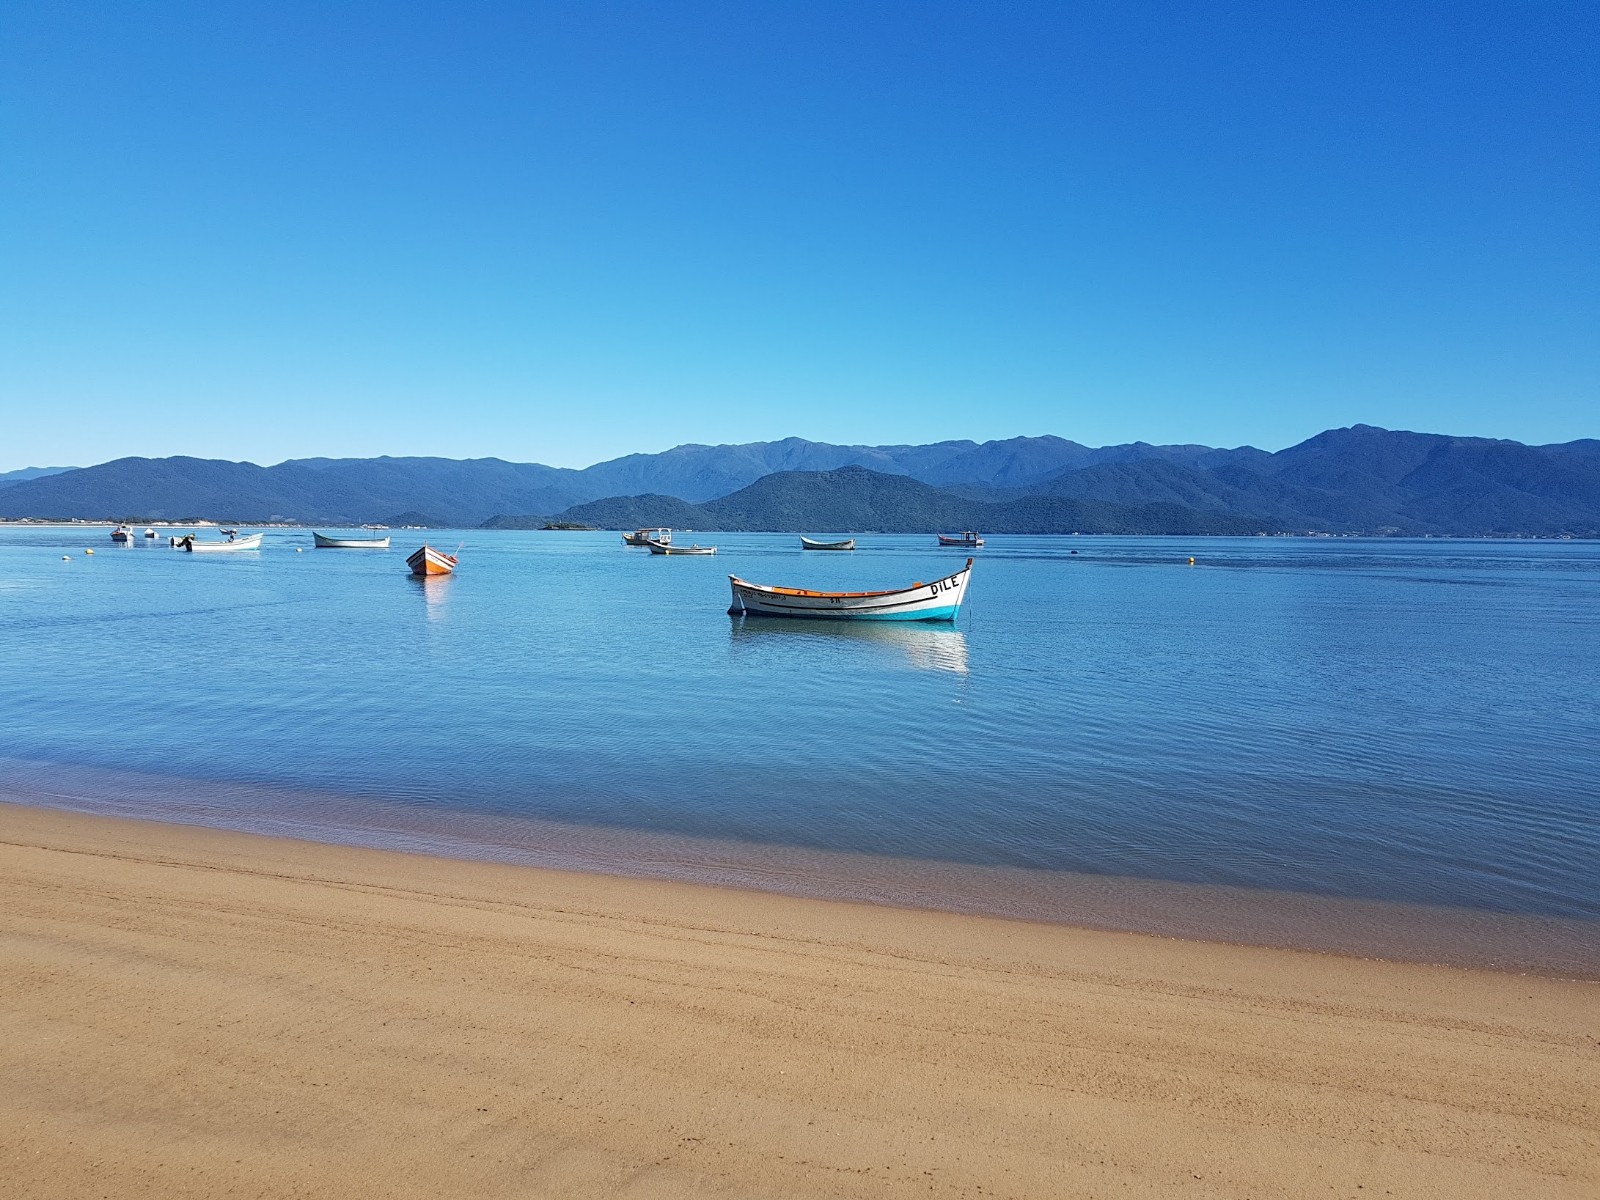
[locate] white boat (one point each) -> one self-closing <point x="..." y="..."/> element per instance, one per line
<point x="150" y="534"/>
<point x="667" y="548"/>
<point x="122" y="533"/>
<point x="936" y="601"/>
<point x="331" y="543"/>
<point x="807" y="544"/>
<point x="195" y="546"/>
<point x="643" y="537"/>
<point x="967" y="538"/>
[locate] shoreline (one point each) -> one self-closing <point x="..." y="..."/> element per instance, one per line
<point x="192" y="1011"/>
<point x="1379" y="930"/>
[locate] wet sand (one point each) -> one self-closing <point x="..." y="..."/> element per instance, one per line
<point x="194" y="1012"/>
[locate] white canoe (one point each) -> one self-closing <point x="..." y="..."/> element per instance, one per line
<point x="936" y="601"/>
<point x="331" y="543"/>
<point x="666" y="548"/>
<point x="194" y="546"/>
<point x="807" y="544"/>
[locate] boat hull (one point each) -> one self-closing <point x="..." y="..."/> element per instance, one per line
<point x="970" y="541"/>
<point x="644" y="537"/>
<point x="328" y="543"/>
<point x="665" y="548"/>
<point x="807" y="544"/>
<point x="428" y="561"/>
<point x="193" y="546"/>
<point x="937" y="601"/>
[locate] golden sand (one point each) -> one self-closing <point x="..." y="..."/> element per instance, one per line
<point x="189" y="1012"/>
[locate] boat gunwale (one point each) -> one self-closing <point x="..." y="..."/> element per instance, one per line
<point x="783" y="591"/>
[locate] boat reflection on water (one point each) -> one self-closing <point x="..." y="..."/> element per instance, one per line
<point x="435" y="591"/>
<point x="923" y="647"/>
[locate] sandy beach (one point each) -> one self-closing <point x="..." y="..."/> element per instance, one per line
<point x="190" y="1012"/>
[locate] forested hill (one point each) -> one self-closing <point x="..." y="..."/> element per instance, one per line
<point x="856" y="500"/>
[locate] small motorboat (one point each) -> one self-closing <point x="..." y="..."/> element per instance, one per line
<point x="150" y="534"/>
<point x="122" y="533"/>
<point x="807" y="544"/>
<point x="643" y="537"/>
<point x="323" y="542"/>
<point x="195" y="546"/>
<point x="967" y="538"/>
<point x="936" y="601"/>
<point x="668" y="548"/>
<point x="428" y="561"/>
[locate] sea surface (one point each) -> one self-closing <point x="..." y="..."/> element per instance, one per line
<point x="1377" y="746"/>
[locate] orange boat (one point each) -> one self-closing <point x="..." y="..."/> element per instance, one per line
<point x="429" y="561"/>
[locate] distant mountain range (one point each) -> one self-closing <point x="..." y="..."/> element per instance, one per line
<point x="1361" y="479"/>
<point x="7" y="478"/>
<point x="857" y="500"/>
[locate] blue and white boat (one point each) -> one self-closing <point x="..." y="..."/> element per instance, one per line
<point x="936" y="601"/>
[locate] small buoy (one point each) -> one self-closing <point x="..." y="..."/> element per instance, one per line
<point x="1191" y="560"/>
<point x="66" y="558"/>
<point x="88" y="551"/>
<point x="299" y="549"/>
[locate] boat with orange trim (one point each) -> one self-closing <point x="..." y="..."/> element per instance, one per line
<point x="936" y="601"/>
<point x="428" y="561"/>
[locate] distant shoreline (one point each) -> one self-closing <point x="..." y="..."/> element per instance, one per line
<point x="111" y="523"/>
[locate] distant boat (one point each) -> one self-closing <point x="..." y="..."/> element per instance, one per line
<point x="937" y="601"/>
<point x="643" y="537"/>
<point x="194" y="546"/>
<point x="150" y="533"/>
<point x="228" y="532"/>
<point x="967" y="538"/>
<point x="807" y="544"/>
<point x="122" y="533"/>
<point x="428" y="561"/>
<point x="667" y="548"/>
<point x="329" y="543"/>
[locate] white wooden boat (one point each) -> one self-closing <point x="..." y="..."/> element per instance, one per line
<point x="195" y="546"/>
<point x="668" y="548"/>
<point x="122" y="533"/>
<point x="643" y="537"/>
<point x="936" y="601"/>
<point x="428" y="561"/>
<point x="331" y="543"/>
<point x="807" y="544"/>
<point x="968" y="538"/>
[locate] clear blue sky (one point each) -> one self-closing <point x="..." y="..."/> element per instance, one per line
<point x="562" y="232"/>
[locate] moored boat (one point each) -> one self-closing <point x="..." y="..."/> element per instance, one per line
<point x="643" y="537"/>
<point x="936" y="601"/>
<point x="122" y="533"/>
<point x="150" y="534"/>
<point x="807" y="544"/>
<point x="195" y="546"/>
<point x="330" y="543"/>
<point x="967" y="538"/>
<point x="428" y="561"/>
<point x="668" y="548"/>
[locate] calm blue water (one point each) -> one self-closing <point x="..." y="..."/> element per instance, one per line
<point x="1412" y="721"/>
